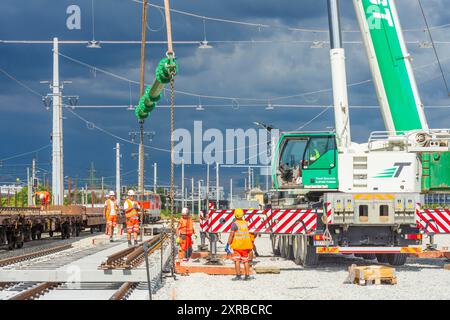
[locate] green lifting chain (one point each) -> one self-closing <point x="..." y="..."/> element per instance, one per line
<point x="166" y="70"/>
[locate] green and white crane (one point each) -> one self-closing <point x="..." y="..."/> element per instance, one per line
<point x="368" y="191"/>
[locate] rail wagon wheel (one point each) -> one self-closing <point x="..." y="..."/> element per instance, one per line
<point x="308" y="256"/>
<point x="382" y="257"/>
<point x="275" y="240"/>
<point x="397" y="259"/>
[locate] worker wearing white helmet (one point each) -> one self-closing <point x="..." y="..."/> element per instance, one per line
<point x="132" y="208"/>
<point x="185" y="230"/>
<point x="44" y="197"/>
<point x="111" y="209"/>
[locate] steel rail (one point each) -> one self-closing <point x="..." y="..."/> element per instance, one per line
<point x="29" y="256"/>
<point x="121" y="293"/>
<point x="36" y="291"/>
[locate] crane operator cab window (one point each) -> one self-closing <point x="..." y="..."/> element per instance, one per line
<point x="291" y="161"/>
<point x="308" y="161"/>
<point x="316" y="148"/>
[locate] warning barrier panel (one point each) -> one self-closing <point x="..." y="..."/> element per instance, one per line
<point x="433" y="220"/>
<point x="276" y="221"/>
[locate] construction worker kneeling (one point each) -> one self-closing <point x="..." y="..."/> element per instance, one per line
<point x="132" y="208"/>
<point x="185" y="230"/>
<point x="241" y="244"/>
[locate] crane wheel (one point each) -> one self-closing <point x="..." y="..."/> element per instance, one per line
<point x="397" y="259"/>
<point x="275" y="244"/>
<point x="306" y="254"/>
<point x="382" y="257"/>
<point x="369" y="256"/>
<point x="286" y="248"/>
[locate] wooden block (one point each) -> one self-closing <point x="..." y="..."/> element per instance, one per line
<point x="446" y="266"/>
<point x="275" y="270"/>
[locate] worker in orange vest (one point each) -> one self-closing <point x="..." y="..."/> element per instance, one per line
<point x="111" y="209"/>
<point x="132" y="208"/>
<point x="185" y="230"/>
<point x="44" y="196"/>
<point x="241" y="243"/>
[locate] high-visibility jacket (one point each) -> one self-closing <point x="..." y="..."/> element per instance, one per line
<point x="314" y="155"/>
<point x="46" y="195"/>
<point x="131" y="212"/>
<point x="242" y="240"/>
<point x="185" y="226"/>
<point x="109" y="206"/>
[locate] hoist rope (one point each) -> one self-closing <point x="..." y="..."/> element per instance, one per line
<point x="170" y="55"/>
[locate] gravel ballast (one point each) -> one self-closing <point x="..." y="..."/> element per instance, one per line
<point x="417" y="279"/>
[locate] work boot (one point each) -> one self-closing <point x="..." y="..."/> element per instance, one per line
<point x="129" y="243"/>
<point x="111" y="239"/>
<point x="135" y="242"/>
<point x="247" y="278"/>
<point x="238" y="277"/>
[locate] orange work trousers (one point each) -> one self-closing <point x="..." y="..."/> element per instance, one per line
<point x="186" y="245"/>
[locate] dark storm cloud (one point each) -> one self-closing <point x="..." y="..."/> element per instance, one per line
<point x="256" y="71"/>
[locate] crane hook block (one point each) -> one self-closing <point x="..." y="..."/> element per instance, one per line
<point x="165" y="72"/>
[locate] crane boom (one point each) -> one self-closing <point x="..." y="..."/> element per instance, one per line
<point x="390" y="64"/>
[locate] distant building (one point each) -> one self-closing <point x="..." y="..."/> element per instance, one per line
<point x="256" y="194"/>
<point x="12" y="188"/>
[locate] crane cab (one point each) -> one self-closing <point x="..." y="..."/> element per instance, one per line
<point x="306" y="160"/>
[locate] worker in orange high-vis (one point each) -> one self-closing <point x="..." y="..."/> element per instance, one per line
<point x="241" y="243"/>
<point x="185" y="230"/>
<point x="132" y="208"/>
<point x="111" y="209"/>
<point x="44" y="196"/>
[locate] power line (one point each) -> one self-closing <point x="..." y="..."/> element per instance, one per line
<point x="234" y="99"/>
<point x="434" y="47"/>
<point x="26" y="153"/>
<point x="20" y="83"/>
<point x="261" y="25"/>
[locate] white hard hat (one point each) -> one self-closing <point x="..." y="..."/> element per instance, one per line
<point x="131" y="192"/>
<point x="111" y="193"/>
<point x="185" y="211"/>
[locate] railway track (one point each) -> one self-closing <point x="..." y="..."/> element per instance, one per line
<point x="129" y="258"/>
<point x="36" y="254"/>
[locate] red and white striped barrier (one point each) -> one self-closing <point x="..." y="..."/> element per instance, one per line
<point x="433" y="220"/>
<point x="203" y="222"/>
<point x="329" y="215"/>
<point x="265" y="221"/>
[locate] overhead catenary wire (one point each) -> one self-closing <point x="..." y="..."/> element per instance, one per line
<point x="25" y="153"/>
<point x="215" y="97"/>
<point x="434" y="47"/>
<point x="264" y="25"/>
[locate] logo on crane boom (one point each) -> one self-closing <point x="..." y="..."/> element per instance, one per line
<point x="375" y="15"/>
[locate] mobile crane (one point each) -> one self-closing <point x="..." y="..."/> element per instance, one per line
<point x="332" y="195"/>
<point x="368" y="191"/>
